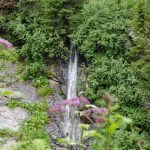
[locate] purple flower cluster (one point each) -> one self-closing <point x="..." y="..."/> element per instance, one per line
<point x="97" y="110"/>
<point x="100" y="110"/>
<point x="98" y="114"/>
<point x="5" y="43"/>
<point x="57" y="108"/>
<point x="73" y="102"/>
<point x="76" y="101"/>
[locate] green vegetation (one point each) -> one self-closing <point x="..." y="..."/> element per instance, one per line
<point x="36" y="144"/>
<point x="102" y="29"/>
<point x="113" y="42"/>
<point x="40" y="81"/>
<point x="7" y="133"/>
<point x="8" y="55"/>
<point x="40" y="30"/>
<point x="113" y="39"/>
<point x="43" y="91"/>
<point x="32" y="129"/>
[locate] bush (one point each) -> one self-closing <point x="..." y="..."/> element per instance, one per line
<point x="114" y="76"/>
<point x="101" y="29"/>
<point x="32" y="70"/>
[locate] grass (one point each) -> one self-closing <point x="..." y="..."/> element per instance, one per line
<point x="43" y="91"/>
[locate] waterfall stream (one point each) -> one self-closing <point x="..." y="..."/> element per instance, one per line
<point x="71" y="122"/>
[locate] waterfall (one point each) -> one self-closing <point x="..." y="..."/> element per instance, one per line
<point x="71" y="127"/>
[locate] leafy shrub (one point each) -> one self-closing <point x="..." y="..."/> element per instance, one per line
<point x="122" y="139"/>
<point x="101" y="29"/>
<point x="114" y="76"/>
<point x="32" y="70"/>
<point x="7" y="133"/>
<point x="108" y="74"/>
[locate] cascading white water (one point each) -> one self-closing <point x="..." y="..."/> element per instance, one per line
<point x="71" y="122"/>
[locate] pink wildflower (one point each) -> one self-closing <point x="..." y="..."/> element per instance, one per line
<point x="84" y="100"/>
<point x="65" y="102"/>
<point x="73" y="102"/>
<point x="87" y="111"/>
<point x="57" y="108"/>
<point x="6" y="43"/>
<point x="100" y="110"/>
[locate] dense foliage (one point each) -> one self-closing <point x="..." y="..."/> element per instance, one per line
<point x="113" y="39"/>
<point x="102" y="29"/>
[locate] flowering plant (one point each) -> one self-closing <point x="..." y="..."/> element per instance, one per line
<point x="99" y="123"/>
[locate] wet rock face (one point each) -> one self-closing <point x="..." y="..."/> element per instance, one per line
<point x="11" y="118"/>
<point x="55" y="128"/>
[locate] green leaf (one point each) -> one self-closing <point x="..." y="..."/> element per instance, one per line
<point x="84" y="126"/>
<point x="112" y="127"/>
<point x="7" y="92"/>
<point x="91" y="133"/>
<point x="90" y="106"/>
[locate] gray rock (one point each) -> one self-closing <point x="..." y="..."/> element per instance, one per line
<point x="11" y="118"/>
<point x="29" y="92"/>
